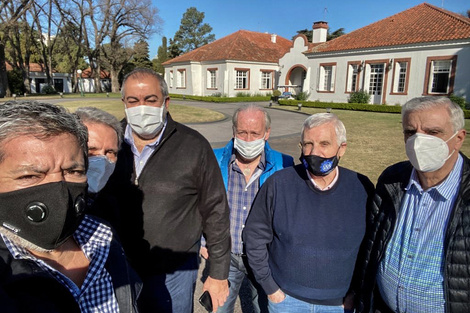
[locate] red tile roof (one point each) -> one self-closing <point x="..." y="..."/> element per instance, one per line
<point x="422" y="23"/>
<point x="242" y="45"/>
<point x="33" y="67"/>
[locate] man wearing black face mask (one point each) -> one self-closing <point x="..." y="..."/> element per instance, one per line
<point x="307" y="223"/>
<point x="53" y="257"/>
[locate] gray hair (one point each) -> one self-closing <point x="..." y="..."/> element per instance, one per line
<point x="94" y="115"/>
<point x="41" y="120"/>
<point x="254" y="108"/>
<point x="139" y="73"/>
<point x="423" y="103"/>
<point x="319" y="119"/>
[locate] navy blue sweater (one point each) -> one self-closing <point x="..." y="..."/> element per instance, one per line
<point x="305" y="241"/>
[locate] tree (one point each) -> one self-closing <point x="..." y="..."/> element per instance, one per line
<point x="141" y="55"/>
<point x="173" y="50"/>
<point x="330" y="36"/>
<point x="337" y="33"/>
<point x="162" y="56"/>
<point x="10" y="12"/>
<point x="193" y="33"/>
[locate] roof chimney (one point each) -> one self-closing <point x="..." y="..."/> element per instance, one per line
<point x="320" y="30"/>
<point x="273" y="38"/>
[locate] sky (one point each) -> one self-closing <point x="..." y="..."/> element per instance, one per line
<point x="282" y="17"/>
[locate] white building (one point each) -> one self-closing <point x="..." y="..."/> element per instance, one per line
<point x="424" y="50"/>
<point x="244" y="61"/>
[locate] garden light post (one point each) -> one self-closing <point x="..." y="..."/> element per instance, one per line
<point x="81" y="82"/>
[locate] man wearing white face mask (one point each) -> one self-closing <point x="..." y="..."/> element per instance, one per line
<point x="416" y="253"/>
<point x="169" y="190"/>
<point x="246" y="162"/>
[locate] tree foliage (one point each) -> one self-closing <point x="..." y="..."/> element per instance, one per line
<point x="162" y="56"/>
<point x="193" y="33"/>
<point x="330" y="35"/>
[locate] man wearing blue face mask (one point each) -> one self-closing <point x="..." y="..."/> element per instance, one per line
<point x="307" y="223"/>
<point x="246" y="162"/>
<point x="417" y="253"/>
<point x="104" y="140"/>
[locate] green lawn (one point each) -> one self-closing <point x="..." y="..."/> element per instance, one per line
<point x="375" y="140"/>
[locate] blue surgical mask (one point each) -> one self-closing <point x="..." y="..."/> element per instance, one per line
<point x="99" y="171"/>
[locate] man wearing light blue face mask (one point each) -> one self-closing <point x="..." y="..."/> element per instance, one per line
<point x="246" y="162"/>
<point x="104" y="139"/>
<point x="416" y="253"/>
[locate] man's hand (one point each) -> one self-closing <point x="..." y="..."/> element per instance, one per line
<point x="277" y="297"/>
<point x="204" y="253"/>
<point x="218" y="290"/>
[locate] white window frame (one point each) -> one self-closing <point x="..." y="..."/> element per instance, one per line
<point x="242" y="79"/>
<point x="326" y="78"/>
<point x="181" y="78"/>
<point x="211" y="78"/>
<point x="352" y="82"/>
<point x="401" y="74"/>
<point x="266" y="79"/>
<point x="435" y="66"/>
<point x="171" y="79"/>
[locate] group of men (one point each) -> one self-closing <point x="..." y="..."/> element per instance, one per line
<point x="86" y="200"/>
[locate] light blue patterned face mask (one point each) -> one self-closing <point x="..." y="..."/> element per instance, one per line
<point x="99" y="171"/>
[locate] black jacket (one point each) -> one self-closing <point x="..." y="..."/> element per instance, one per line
<point x="389" y="193"/>
<point x="160" y="216"/>
<point x="26" y="288"/>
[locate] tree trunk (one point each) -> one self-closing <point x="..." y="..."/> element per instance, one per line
<point x="114" y="80"/>
<point x="3" y="73"/>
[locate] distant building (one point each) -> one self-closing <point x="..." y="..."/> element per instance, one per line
<point x="63" y="81"/>
<point x="244" y="61"/>
<point x="424" y="50"/>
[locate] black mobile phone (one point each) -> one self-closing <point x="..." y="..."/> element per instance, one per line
<point x="206" y="301"/>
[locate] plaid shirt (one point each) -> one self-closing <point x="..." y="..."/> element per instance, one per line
<point x="240" y="196"/>
<point x="97" y="292"/>
<point x="410" y="276"/>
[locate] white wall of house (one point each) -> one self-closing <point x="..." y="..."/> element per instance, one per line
<point x="61" y="80"/>
<point x="331" y="74"/>
<point x="291" y="64"/>
<point x="208" y="78"/>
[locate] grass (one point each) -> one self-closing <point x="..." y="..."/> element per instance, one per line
<point x="374" y="140"/>
<point x="181" y="113"/>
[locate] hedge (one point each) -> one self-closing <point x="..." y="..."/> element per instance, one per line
<point x="222" y="99"/>
<point x="352" y="106"/>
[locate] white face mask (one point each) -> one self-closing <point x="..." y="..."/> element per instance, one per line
<point x="249" y="149"/>
<point x="99" y="171"/>
<point x="427" y="153"/>
<point x="146" y="121"/>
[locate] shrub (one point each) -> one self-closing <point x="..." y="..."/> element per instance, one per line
<point x="302" y="96"/>
<point x="458" y="100"/>
<point x="15" y="81"/>
<point x="276" y="93"/>
<point x="48" y="90"/>
<point x="360" y="96"/>
<point x="242" y="94"/>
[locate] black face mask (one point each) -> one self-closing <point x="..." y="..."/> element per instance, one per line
<point x="319" y="166"/>
<point x="45" y="215"/>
